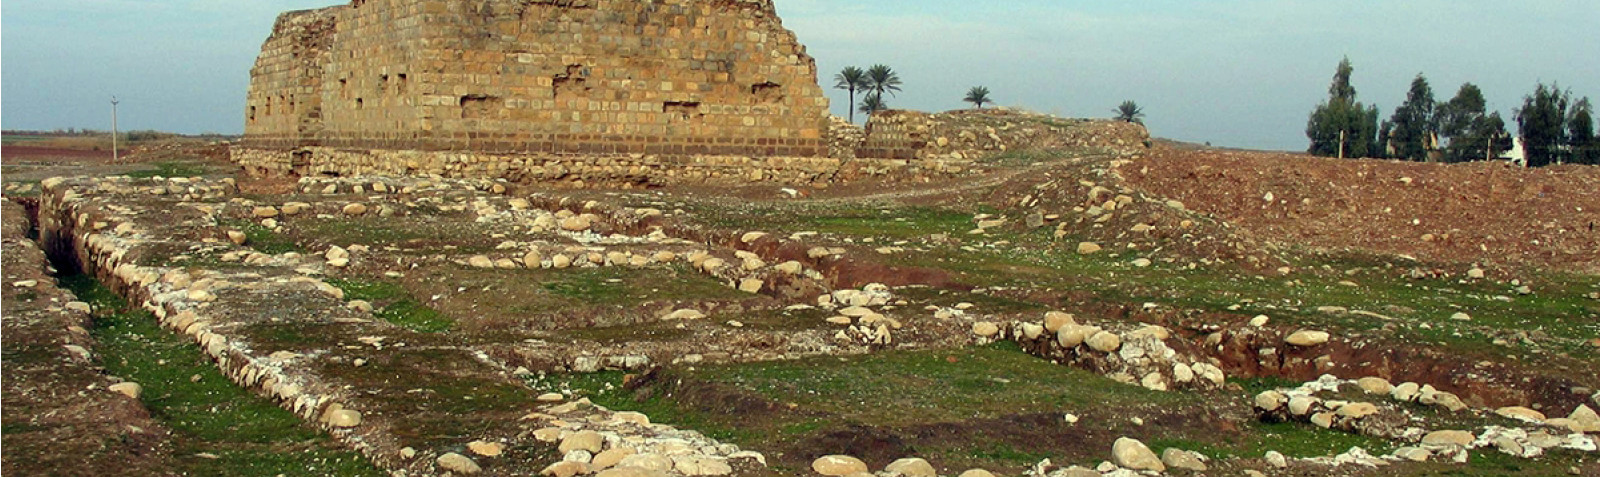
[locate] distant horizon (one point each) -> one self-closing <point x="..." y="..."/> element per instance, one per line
<point x="1236" y="73"/>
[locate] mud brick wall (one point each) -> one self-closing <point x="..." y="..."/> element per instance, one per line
<point x="678" y="77"/>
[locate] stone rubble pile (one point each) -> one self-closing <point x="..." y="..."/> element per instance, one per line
<point x="1139" y="356"/>
<point x="1390" y="420"/>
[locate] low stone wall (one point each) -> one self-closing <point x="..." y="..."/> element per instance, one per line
<point x="582" y="171"/>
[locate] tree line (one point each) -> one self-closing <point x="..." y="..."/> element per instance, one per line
<point x="1553" y="127"/>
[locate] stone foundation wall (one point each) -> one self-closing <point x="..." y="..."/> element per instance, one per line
<point x="615" y="170"/>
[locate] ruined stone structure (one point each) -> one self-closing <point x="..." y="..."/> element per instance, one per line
<point x="577" y="92"/>
<point x="716" y="77"/>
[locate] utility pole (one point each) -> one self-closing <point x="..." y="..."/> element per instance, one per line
<point x="1341" y="144"/>
<point x="114" y="154"/>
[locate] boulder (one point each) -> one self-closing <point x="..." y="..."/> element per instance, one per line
<point x="1132" y="454"/>
<point x="610" y="458"/>
<point x="1357" y="410"/>
<point x="458" y="463"/>
<point x="565" y="468"/>
<point x="838" y="465"/>
<point x="1270" y="401"/>
<point x="1055" y="320"/>
<point x="486" y="449"/>
<point x="587" y="440"/>
<point x="129" y="389"/>
<point x="1448" y="438"/>
<point x="912" y="467"/>
<point x="1586" y="418"/>
<point x="1405" y="392"/>
<point x="1104" y="341"/>
<point x="1182" y="459"/>
<point x="1373" y="385"/>
<point x="985" y="329"/>
<point x="1522" y="413"/>
<point x="1307" y="338"/>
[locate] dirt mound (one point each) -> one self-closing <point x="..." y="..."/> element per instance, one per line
<point x="1489" y="213"/>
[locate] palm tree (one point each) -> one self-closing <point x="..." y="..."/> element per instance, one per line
<point x="882" y="79"/>
<point x="1130" y="111"/>
<point x="873" y="103"/>
<point x="978" y="95"/>
<point x="852" y="79"/>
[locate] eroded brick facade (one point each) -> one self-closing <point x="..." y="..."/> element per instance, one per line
<point x="667" y="77"/>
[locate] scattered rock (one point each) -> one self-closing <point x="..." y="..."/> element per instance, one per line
<point x="577" y="223"/>
<point x="1307" y="338"/>
<point x="486" y="449"/>
<point x="1055" y="320"/>
<point x="610" y="458"/>
<point x="751" y="285"/>
<point x="1414" y="454"/>
<point x="1132" y="454"/>
<point x="565" y="468"/>
<point x="1087" y="248"/>
<point x="1270" y="401"/>
<point x="355" y="208"/>
<point x="838" y="465"/>
<point x="1182" y="459"/>
<point x="911" y="467"/>
<point x="1357" y="410"/>
<point x="458" y="463"/>
<point x="1104" y="341"/>
<point x="587" y="440"/>
<point x="129" y="389"/>
<point x="1586" y="418"/>
<point x="1405" y="392"/>
<point x="1276" y="459"/>
<point x="684" y="314"/>
<point x="1448" y="438"/>
<point x="344" y="418"/>
<point x="480" y="261"/>
<point x="1375" y="385"/>
<point x="1519" y="412"/>
<point x="985" y="329"/>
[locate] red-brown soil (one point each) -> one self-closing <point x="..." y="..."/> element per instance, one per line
<point x="1490" y="213"/>
<point x="59" y="417"/>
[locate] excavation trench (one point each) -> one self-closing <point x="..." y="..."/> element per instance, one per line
<point x="231" y="430"/>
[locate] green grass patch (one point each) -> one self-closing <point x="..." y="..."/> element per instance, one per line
<point x="933" y="386"/>
<point x="207" y="413"/>
<point x="263" y="239"/>
<point x="394" y="304"/>
<point x="171" y="169"/>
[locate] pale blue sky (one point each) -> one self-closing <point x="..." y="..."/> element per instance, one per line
<point x="1239" y="73"/>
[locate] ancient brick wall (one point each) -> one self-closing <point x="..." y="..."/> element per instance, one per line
<point x="285" y="98"/>
<point x="675" y="77"/>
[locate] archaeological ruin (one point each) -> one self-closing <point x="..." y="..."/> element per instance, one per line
<point x="612" y="93"/>
<point x="541" y="79"/>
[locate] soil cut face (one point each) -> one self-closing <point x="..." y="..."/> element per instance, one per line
<point x="1493" y="214"/>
